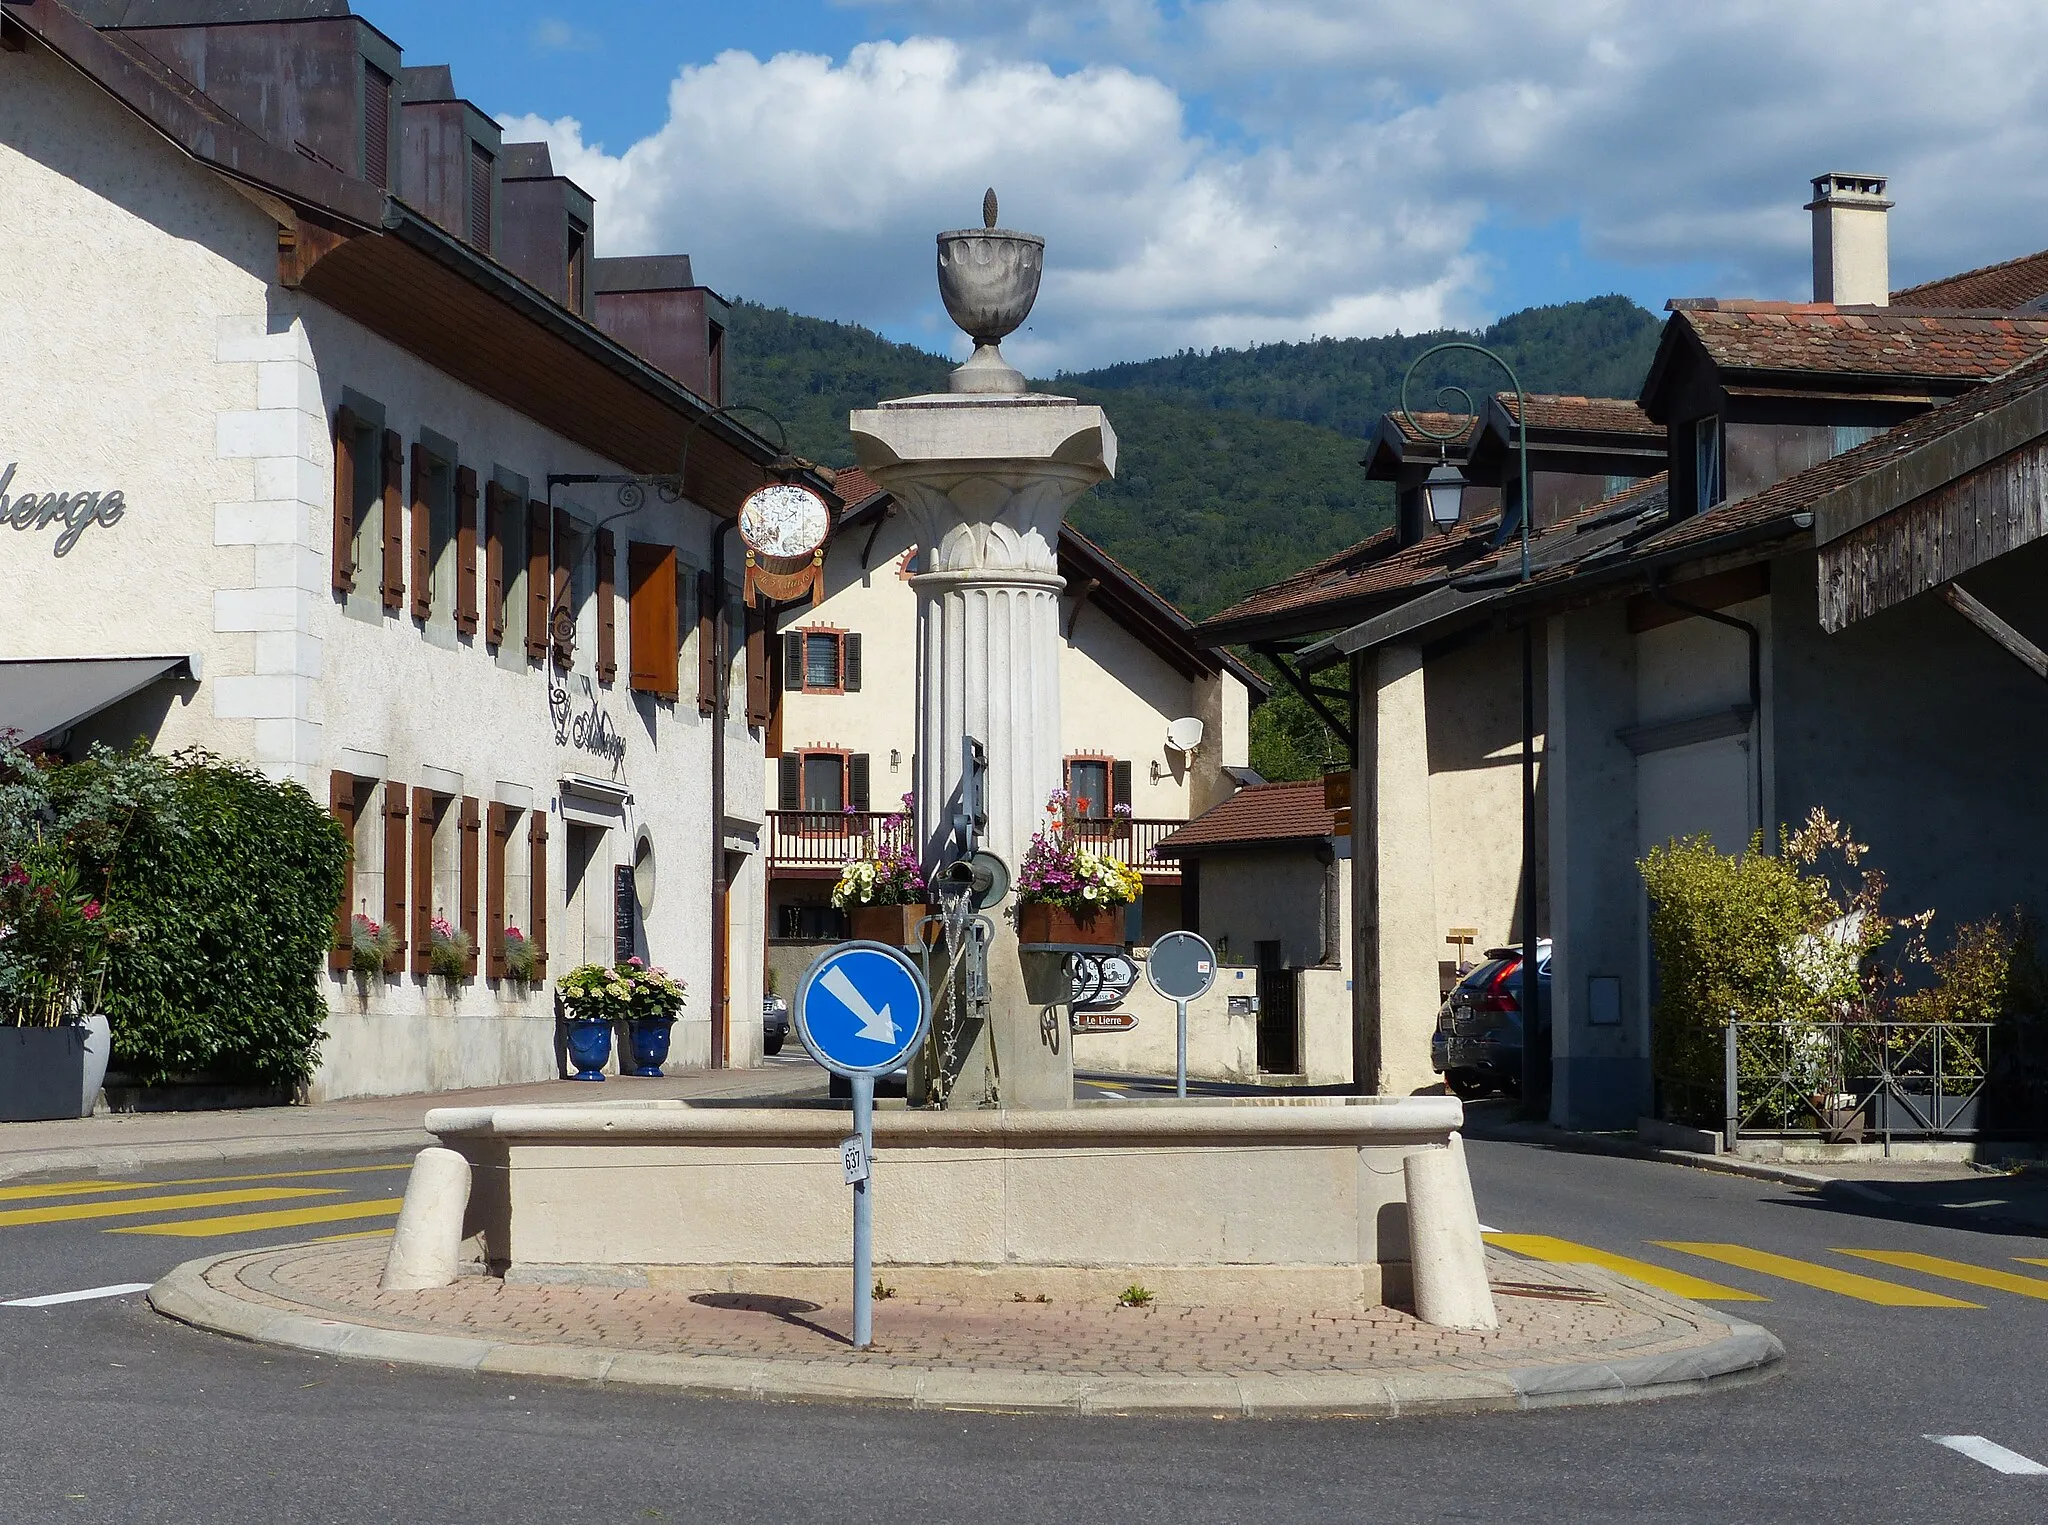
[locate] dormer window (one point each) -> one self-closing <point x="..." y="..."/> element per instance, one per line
<point x="1708" y="484"/>
<point x="376" y="126"/>
<point x="480" y="174"/>
<point x="579" y="264"/>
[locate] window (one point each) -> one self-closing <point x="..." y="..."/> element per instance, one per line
<point x="824" y="784"/>
<point x="652" y="626"/>
<point x="1849" y="436"/>
<point x="481" y="168"/>
<point x="1098" y="786"/>
<point x="1706" y="457"/>
<point x="812" y="923"/>
<point x="434" y="536"/>
<point x="821" y="662"/>
<point x="505" y="570"/>
<point x="376" y="126"/>
<point x="579" y="257"/>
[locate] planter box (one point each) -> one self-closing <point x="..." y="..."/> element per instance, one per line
<point x="1056" y="924"/>
<point x="895" y="925"/>
<point x="42" y="1073"/>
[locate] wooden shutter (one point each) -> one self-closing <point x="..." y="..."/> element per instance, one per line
<point x="537" y="871"/>
<point x="793" y="661"/>
<point x="707" y="644"/>
<point x="655" y="657"/>
<point x="497" y="856"/>
<point x="760" y="697"/>
<point x="341" y="804"/>
<point x="607" y="608"/>
<point x="849" y="662"/>
<point x="422" y="533"/>
<point x="564" y="639"/>
<point x="537" y="580"/>
<point x="423" y="821"/>
<point x="1120" y="783"/>
<point x="343" y="568"/>
<point x="468" y="822"/>
<point x="789" y="793"/>
<point x="465" y="550"/>
<point x="494" y="565"/>
<point x="395" y="811"/>
<point x="857" y="782"/>
<point x="393" y="588"/>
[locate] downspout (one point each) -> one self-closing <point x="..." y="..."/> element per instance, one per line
<point x="1756" y="678"/>
<point x="721" y="882"/>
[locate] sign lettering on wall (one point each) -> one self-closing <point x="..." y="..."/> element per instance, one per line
<point x="75" y="512"/>
<point x="588" y="729"/>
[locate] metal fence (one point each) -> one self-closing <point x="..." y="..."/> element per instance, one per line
<point x="827" y="839"/>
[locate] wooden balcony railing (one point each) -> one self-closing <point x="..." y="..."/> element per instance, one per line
<point x="822" y="839"/>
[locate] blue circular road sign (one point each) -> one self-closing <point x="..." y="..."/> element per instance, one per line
<point x="861" y="1009"/>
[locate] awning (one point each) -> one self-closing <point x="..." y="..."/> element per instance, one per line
<point x="44" y="696"/>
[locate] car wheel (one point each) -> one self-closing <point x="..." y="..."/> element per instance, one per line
<point x="772" y="1045"/>
<point x="1465" y="1086"/>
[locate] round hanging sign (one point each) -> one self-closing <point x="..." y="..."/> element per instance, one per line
<point x="785" y="521"/>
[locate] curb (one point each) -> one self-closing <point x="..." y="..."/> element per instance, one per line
<point x="1745" y="1353"/>
<point x="127" y="1159"/>
<point x="1722" y="1164"/>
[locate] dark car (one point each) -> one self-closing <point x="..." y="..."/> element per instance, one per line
<point x="1477" y="1045"/>
<point x="774" y="1024"/>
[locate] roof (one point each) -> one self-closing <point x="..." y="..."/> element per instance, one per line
<point x="855" y="486"/>
<point x="1428" y="429"/>
<point x="1601" y="415"/>
<point x="1261" y="813"/>
<point x="1887" y="341"/>
<point x="2011" y="285"/>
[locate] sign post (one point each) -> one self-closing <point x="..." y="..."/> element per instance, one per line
<point x="861" y="1010"/>
<point x="1182" y="967"/>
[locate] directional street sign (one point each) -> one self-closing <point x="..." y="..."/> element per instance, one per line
<point x="861" y="1009"/>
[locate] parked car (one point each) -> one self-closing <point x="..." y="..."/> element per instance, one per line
<point x="1477" y="1045"/>
<point x="774" y="1024"/>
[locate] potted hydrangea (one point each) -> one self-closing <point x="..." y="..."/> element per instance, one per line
<point x="53" y="958"/>
<point x="884" y="894"/>
<point x="652" y="1008"/>
<point x="593" y="998"/>
<point x="1068" y="893"/>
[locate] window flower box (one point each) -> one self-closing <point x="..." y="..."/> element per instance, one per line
<point x="1041" y="923"/>
<point x="895" y="925"/>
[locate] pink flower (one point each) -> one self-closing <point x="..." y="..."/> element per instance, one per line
<point x="91" y="911"/>
<point x="16" y="875"/>
<point x="636" y="962"/>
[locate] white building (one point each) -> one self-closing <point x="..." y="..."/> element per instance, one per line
<point x="298" y="355"/>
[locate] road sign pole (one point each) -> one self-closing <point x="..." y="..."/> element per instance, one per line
<point x="1180" y="1068"/>
<point x="864" y="1216"/>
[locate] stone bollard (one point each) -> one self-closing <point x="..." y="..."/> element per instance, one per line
<point x="1448" y="1256"/>
<point x="428" y="1239"/>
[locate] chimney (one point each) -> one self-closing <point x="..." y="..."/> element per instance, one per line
<point x="1851" y="262"/>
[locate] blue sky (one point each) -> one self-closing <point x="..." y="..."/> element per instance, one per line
<point x="1237" y="171"/>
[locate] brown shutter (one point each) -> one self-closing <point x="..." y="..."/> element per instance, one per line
<point x="655" y="657"/>
<point x="707" y="645"/>
<point x="423" y="814"/>
<point x="607" y="608"/>
<point x="341" y="804"/>
<point x="1120" y="783"/>
<point x="857" y="782"/>
<point x="537" y="580"/>
<point x="793" y="661"/>
<point x="422" y="533"/>
<point x="394" y="873"/>
<point x="393" y="588"/>
<point x="849" y="662"/>
<point x="789" y="794"/>
<point x="343" y="569"/>
<point x="760" y="698"/>
<point x="537" y="870"/>
<point x="465" y="550"/>
<point x="468" y="822"/>
<point x="498" y="856"/>
<point x="563" y="639"/>
<point x="494" y="565"/>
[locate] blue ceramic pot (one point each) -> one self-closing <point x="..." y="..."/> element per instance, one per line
<point x="647" y="1043"/>
<point x="590" y="1045"/>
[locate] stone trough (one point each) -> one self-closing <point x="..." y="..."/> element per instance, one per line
<point x="1288" y="1202"/>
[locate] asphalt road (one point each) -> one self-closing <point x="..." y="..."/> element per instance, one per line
<point x="113" y="1414"/>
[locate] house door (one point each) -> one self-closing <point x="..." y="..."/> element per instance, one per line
<point x="1279" y="1014"/>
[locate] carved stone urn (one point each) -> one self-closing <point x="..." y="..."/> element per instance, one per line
<point x="988" y="277"/>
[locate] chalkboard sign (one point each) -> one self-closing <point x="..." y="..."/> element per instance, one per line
<point x="624" y="906"/>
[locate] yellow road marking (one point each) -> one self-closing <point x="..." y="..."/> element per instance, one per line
<point x="101" y="1187"/>
<point x="1867" y="1289"/>
<point x="1957" y="1270"/>
<point x="1565" y="1252"/>
<point x="249" y="1223"/>
<point x="367" y="1233"/>
<point x="283" y="1175"/>
<point x="72" y="1212"/>
<point x="63" y="1189"/>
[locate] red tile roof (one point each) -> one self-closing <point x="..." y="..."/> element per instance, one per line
<point x="1260" y="813"/>
<point x="1606" y="415"/>
<point x="854" y="486"/>
<point x="2007" y="286"/>
<point x="1818" y="337"/>
<point x="1445" y="428"/>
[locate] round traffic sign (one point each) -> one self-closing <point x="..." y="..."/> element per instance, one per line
<point x="861" y="1008"/>
<point x="1182" y="966"/>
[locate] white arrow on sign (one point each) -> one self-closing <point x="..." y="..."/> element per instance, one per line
<point x="874" y="1025"/>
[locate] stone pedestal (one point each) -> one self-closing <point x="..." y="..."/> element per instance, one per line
<point x="986" y="481"/>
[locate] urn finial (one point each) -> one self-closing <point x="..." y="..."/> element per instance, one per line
<point x="988" y="208"/>
<point x="988" y="277"/>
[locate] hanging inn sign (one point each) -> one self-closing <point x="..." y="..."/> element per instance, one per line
<point x="71" y="514"/>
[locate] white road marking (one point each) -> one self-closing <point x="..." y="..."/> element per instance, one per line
<point x="50" y="1300"/>
<point x="1991" y="1454"/>
<point x="1488" y="1228"/>
<point x="1987" y="1202"/>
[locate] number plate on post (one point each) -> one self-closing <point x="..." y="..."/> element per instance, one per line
<point x="853" y="1159"/>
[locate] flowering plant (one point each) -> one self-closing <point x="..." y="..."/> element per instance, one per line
<point x="890" y="875"/>
<point x="595" y="992"/>
<point x="1058" y="870"/>
<point x="370" y="945"/>
<point x="522" y="958"/>
<point x="655" y="992"/>
<point x="53" y="946"/>
<point x="448" y="949"/>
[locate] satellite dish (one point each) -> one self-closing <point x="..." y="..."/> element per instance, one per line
<point x="1184" y="734"/>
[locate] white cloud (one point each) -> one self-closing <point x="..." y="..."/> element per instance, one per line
<point x="553" y="35"/>
<point x="1229" y="171"/>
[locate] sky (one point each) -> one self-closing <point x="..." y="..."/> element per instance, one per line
<point x="1231" y="172"/>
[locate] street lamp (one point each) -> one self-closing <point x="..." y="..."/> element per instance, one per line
<point x="1444" y="489"/>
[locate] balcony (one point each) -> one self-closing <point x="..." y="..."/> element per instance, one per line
<point x="811" y="844"/>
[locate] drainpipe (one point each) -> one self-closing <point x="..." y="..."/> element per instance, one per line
<point x="1756" y="677"/>
<point x="721" y="883"/>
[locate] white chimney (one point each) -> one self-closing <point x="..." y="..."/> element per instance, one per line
<point x="1851" y="262"/>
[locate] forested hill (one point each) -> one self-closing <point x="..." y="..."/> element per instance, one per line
<point x="1236" y="467"/>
